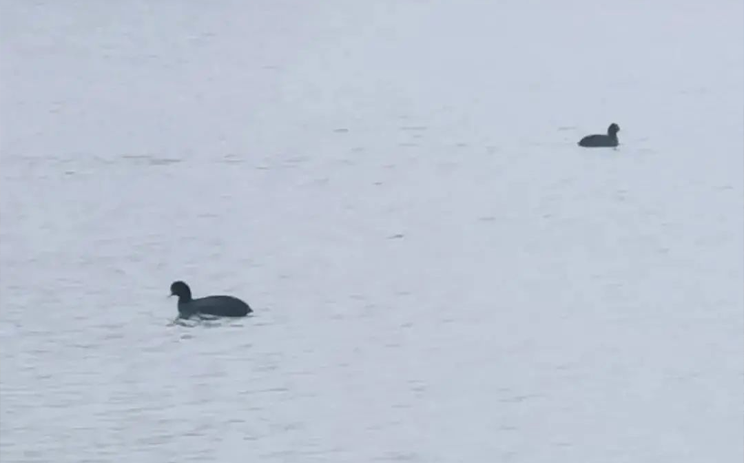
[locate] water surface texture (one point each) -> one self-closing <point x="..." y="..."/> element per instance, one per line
<point x="438" y="273"/>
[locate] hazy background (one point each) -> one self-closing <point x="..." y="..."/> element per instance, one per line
<point x="439" y="273"/>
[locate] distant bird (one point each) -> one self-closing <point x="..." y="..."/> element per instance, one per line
<point x="602" y="141"/>
<point x="220" y="306"/>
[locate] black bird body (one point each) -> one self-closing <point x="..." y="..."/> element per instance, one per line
<point x="602" y="141"/>
<point x="219" y="306"/>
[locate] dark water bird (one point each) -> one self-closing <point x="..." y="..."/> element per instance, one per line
<point x="602" y="141"/>
<point x="219" y="306"/>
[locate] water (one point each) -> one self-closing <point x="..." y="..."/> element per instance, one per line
<point x="439" y="274"/>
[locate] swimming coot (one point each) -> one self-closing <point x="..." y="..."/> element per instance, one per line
<point x="221" y="306"/>
<point x="602" y="141"/>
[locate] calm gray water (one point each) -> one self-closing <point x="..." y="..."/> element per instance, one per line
<point x="438" y="272"/>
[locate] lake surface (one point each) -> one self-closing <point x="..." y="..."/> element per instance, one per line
<point x="438" y="272"/>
